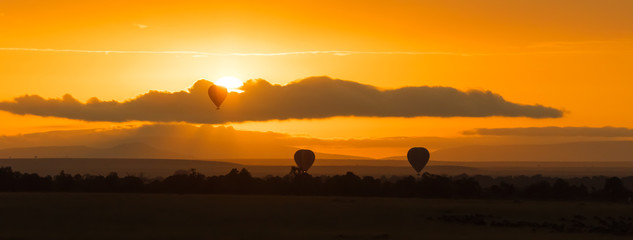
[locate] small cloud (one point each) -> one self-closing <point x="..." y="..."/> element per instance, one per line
<point x="554" y="132"/>
<point x="141" y="26"/>
<point x="341" y="54"/>
<point x="200" y="56"/>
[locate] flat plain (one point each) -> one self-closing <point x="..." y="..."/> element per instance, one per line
<point x="174" y="216"/>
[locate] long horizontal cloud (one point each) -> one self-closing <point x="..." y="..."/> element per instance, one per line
<point x="555" y="131"/>
<point x="315" y="97"/>
<point x="199" y="53"/>
<point x="554" y="45"/>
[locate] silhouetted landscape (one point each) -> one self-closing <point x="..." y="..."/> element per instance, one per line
<point x="279" y="167"/>
<point x="532" y="206"/>
<point x="297" y="183"/>
<point x="211" y="119"/>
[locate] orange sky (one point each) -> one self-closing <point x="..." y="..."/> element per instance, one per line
<point x="571" y="55"/>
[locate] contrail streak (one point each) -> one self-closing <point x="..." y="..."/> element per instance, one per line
<point x="332" y="52"/>
<point x="198" y="53"/>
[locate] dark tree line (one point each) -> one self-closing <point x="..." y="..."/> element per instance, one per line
<point x="241" y="182"/>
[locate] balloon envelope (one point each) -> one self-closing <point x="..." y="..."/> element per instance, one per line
<point x="217" y="94"/>
<point x="304" y="159"/>
<point x="418" y="158"/>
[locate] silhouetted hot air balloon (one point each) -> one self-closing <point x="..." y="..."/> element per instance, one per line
<point x="217" y="94"/>
<point x="304" y="159"/>
<point x="418" y="158"/>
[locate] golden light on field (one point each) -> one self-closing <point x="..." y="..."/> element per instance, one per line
<point x="232" y="84"/>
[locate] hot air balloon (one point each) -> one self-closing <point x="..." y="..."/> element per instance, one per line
<point x="217" y="94"/>
<point x="304" y="159"/>
<point x="418" y="158"/>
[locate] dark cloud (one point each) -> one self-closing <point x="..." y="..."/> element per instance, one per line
<point x="315" y="97"/>
<point x="555" y="131"/>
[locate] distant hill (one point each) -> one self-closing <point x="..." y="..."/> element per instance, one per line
<point x="320" y="161"/>
<point x="321" y="155"/>
<point x="395" y="158"/>
<point x="142" y="150"/>
<point x="610" y="158"/>
<point x="377" y="168"/>
<point x="606" y="151"/>
<point x="122" y="166"/>
<point x="130" y="150"/>
<point x="166" y="167"/>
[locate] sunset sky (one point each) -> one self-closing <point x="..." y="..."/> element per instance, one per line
<point x="543" y="71"/>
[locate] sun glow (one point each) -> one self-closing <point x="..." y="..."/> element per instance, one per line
<point x="232" y="84"/>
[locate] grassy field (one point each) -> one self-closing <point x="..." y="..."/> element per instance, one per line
<point x="169" y="216"/>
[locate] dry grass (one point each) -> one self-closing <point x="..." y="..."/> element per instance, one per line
<point x="161" y="216"/>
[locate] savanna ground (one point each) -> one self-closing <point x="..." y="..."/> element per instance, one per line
<point x="171" y="216"/>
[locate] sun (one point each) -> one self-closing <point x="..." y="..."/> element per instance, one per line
<point x="232" y="84"/>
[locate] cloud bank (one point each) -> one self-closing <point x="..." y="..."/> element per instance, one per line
<point x="315" y="97"/>
<point x="180" y="140"/>
<point x="221" y="142"/>
<point x="555" y="131"/>
<point x="201" y="142"/>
